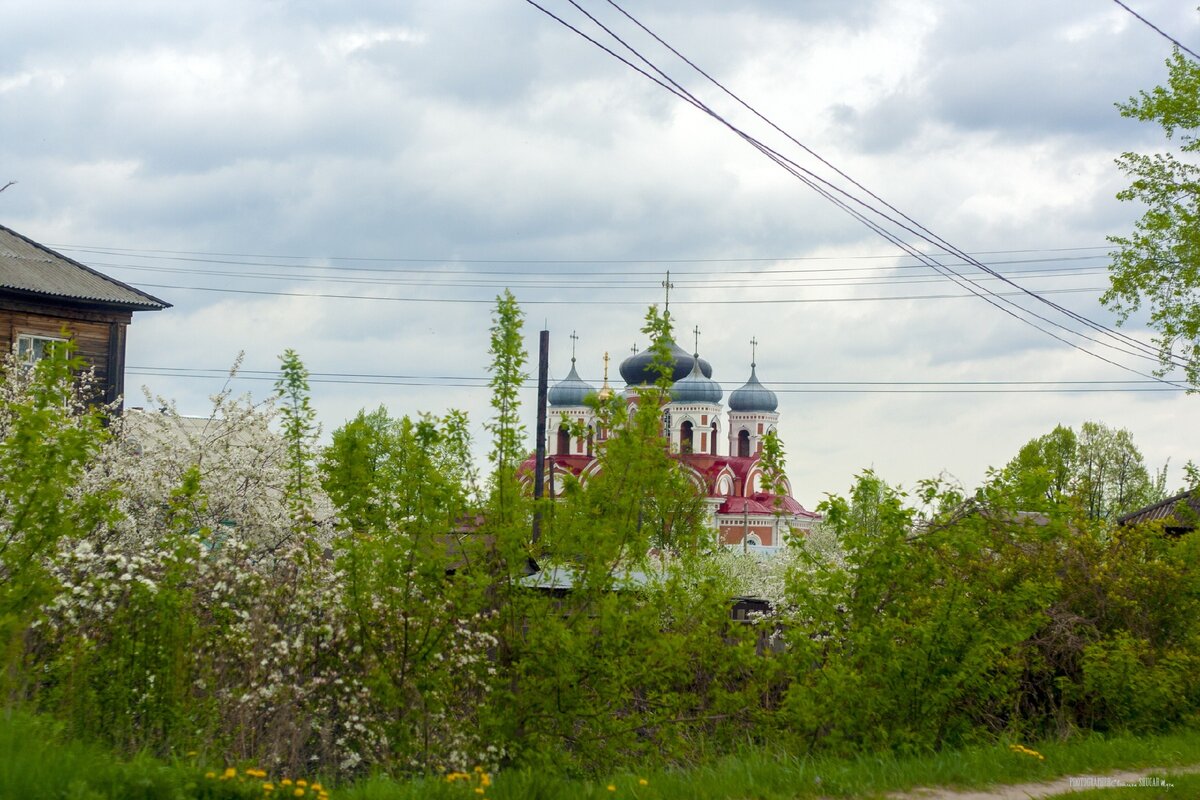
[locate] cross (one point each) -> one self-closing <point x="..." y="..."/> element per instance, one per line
<point x="606" y="366"/>
<point x="634" y="348"/>
<point x="696" y="336"/>
<point x="753" y="350"/>
<point x="668" y="286"/>
<point x="573" y="339"/>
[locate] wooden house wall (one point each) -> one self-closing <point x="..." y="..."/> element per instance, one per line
<point x="99" y="335"/>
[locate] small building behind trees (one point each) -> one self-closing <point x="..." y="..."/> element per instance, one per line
<point x="46" y="297"/>
<point x="1179" y="514"/>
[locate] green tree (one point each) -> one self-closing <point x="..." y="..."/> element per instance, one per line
<point x="299" y="430"/>
<point x="1159" y="263"/>
<point x="1099" y="468"/>
<point x="48" y="435"/>
<point x="508" y="376"/>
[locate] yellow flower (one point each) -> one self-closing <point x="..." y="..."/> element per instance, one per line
<point x="268" y="787"/>
<point x="612" y="788"/>
<point x="210" y="775"/>
<point x="643" y="782"/>
<point x="286" y="782"/>
<point x="302" y="782"/>
<point x="298" y="793"/>
<point x="478" y="790"/>
<point x="485" y="780"/>
<point x="316" y="787"/>
<point x="230" y="772"/>
<point x="192" y="754"/>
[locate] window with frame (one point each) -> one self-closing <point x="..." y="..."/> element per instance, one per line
<point x="31" y="348"/>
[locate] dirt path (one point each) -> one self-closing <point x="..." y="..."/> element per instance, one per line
<point x="1054" y="788"/>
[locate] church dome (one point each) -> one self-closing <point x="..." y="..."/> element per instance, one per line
<point x="753" y="396"/>
<point x="695" y="387"/>
<point x="637" y="371"/>
<point x="571" y="391"/>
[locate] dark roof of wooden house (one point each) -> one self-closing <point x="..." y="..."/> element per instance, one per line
<point x="33" y="270"/>
<point x="1178" y="513"/>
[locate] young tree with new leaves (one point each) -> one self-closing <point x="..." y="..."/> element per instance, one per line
<point x="1159" y="263"/>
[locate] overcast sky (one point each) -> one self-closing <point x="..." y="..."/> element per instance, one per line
<point x="358" y="180"/>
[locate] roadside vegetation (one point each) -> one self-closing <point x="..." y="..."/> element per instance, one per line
<point x="210" y="610"/>
<point x="41" y="761"/>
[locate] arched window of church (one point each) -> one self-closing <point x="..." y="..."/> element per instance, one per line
<point x="564" y="441"/>
<point x="685" y="437"/>
<point x="712" y="440"/>
<point x="752" y="541"/>
<point x="744" y="443"/>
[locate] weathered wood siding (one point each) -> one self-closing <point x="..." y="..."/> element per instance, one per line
<point x="99" y="335"/>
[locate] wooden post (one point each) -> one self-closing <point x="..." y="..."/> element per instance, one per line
<point x="539" y="471"/>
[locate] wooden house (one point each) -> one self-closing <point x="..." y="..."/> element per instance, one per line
<point x="47" y="297"/>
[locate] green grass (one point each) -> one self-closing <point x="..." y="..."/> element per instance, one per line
<point x="765" y="775"/>
<point x="36" y="761"/>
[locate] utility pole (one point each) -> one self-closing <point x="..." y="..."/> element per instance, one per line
<point x="539" y="471"/>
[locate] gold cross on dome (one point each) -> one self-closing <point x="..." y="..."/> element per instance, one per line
<point x="606" y="366"/>
<point x="696" y="339"/>
<point x="753" y="350"/>
<point x="668" y="286"/>
<point x="573" y="339"/>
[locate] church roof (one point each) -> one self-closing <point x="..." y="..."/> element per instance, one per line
<point x="637" y="370"/>
<point x="570" y="391"/>
<point x="695" y="387"/>
<point x="753" y="396"/>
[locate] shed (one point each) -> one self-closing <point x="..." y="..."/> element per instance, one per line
<point x="1179" y="514"/>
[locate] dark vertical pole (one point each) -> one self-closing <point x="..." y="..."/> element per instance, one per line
<point x="539" y="472"/>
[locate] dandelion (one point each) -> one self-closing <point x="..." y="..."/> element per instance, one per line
<point x="643" y="782"/>
<point x="298" y="792"/>
<point x="611" y="788"/>
<point x="1025" y="751"/>
<point x="268" y="787"/>
<point x="210" y="775"/>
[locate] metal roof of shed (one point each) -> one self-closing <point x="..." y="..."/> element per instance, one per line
<point x="28" y="267"/>
<point x="1182" y="511"/>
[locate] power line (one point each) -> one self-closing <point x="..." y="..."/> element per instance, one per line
<point x="921" y="231"/>
<point x="597" y="301"/>
<point x="782" y="387"/>
<point x="1160" y="31"/>
<point x="768" y="280"/>
<point x="273" y="373"/>
<point x="159" y="253"/>
<point x="826" y="188"/>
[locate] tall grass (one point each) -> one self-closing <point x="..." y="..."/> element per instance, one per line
<point x="38" y="761"/>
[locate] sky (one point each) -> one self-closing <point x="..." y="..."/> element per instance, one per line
<point x="359" y="180"/>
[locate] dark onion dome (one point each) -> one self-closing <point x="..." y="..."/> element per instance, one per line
<point x="636" y="370"/>
<point x="570" y="391"/>
<point x="753" y="396"/>
<point x="695" y="388"/>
